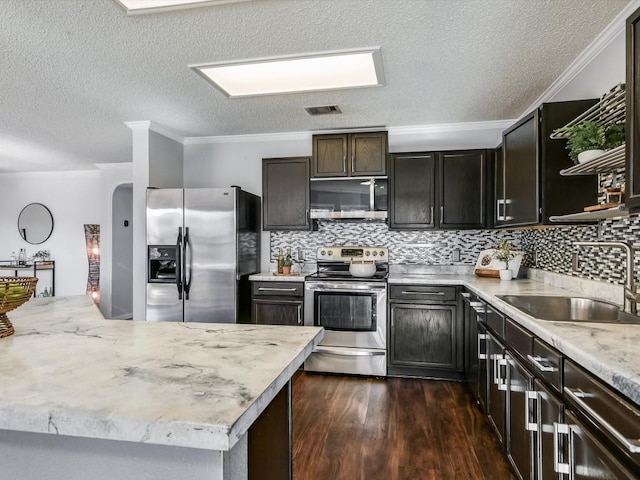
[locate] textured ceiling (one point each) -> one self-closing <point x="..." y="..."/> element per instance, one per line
<point x="73" y="71"/>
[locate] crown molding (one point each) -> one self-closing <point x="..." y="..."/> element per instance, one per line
<point x="450" y="127"/>
<point x="261" y="137"/>
<point x="602" y="41"/>
<point x="403" y="130"/>
<point x="154" y="127"/>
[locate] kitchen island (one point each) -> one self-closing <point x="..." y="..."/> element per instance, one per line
<point x="84" y="397"/>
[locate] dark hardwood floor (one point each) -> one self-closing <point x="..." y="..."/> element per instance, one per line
<point x="350" y="428"/>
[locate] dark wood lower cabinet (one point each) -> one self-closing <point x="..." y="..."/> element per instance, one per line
<point x="425" y="338"/>
<point x="277" y="303"/>
<point x="276" y="311"/>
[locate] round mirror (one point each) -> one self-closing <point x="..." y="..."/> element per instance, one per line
<point x="35" y="223"/>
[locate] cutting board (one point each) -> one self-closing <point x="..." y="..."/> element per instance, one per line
<point x="601" y="206"/>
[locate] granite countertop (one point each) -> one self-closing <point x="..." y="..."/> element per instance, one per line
<point x="609" y="351"/>
<point x="68" y="371"/>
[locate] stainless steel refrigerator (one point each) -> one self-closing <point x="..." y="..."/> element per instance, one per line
<point x="202" y="244"/>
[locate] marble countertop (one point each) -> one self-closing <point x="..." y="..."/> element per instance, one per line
<point x="609" y="351"/>
<point x="270" y="277"/>
<point x="68" y="371"/>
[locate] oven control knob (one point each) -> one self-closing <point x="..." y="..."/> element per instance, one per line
<point x="330" y="252"/>
<point x="323" y="253"/>
<point x="367" y="253"/>
<point x="382" y="253"/>
<point x="375" y="253"/>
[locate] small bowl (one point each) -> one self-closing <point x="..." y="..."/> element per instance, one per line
<point x="362" y="268"/>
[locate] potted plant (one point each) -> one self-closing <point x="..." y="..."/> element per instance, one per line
<point x="504" y="252"/>
<point x="588" y="140"/>
<point x="41" y="255"/>
<point x="286" y="265"/>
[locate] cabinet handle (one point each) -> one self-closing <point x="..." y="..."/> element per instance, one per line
<point x="577" y="395"/>
<point x="502" y="381"/>
<point x="531" y="397"/>
<point x="409" y="292"/>
<point x="344" y="163"/>
<point x="482" y="336"/>
<point x="273" y="289"/>
<point x="559" y="429"/>
<point x="432" y="219"/>
<point x="299" y="314"/>
<point x="441" y="214"/>
<point x="537" y="362"/>
<point x="466" y="294"/>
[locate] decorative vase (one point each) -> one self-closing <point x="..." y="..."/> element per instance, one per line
<point x="589" y="155"/>
<point x="286" y="270"/>
<point x="506" y="274"/>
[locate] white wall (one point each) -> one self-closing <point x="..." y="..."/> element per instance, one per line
<point x="112" y="175"/>
<point x="73" y="198"/>
<point x="122" y="252"/>
<point x="605" y="71"/>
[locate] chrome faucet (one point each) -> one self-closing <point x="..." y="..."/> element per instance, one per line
<point x="631" y="296"/>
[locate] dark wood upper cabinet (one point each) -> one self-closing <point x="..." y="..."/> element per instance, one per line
<point x="529" y="187"/>
<point x="285" y="193"/>
<point x="438" y="190"/>
<point x="632" y="173"/>
<point x="412" y="191"/>
<point x="463" y="189"/>
<point x="349" y="154"/>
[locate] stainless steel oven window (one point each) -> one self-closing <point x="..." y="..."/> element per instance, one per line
<point x="347" y="312"/>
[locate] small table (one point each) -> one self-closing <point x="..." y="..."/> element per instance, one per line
<point x="37" y="265"/>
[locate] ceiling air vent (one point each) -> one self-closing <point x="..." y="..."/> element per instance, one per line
<point x="328" y="110"/>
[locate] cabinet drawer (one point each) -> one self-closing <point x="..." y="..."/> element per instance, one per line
<point x="615" y="417"/>
<point x="495" y="320"/>
<point x="547" y="364"/>
<point x="519" y="339"/>
<point x="422" y="293"/>
<point x="280" y="289"/>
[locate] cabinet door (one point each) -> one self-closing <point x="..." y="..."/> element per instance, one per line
<point x="330" y="155"/>
<point x="497" y="380"/>
<point x="483" y="369"/>
<point x="424" y="336"/>
<point x="588" y="458"/>
<point x="462" y="189"/>
<point x="276" y="312"/>
<point x="521" y="175"/>
<point x="368" y="153"/>
<point x="548" y="411"/>
<point x="499" y="197"/>
<point x="519" y="428"/>
<point x="285" y="194"/>
<point x="633" y="111"/>
<point x="412" y="191"/>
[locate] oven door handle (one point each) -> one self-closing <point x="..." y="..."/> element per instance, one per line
<point x="343" y="352"/>
<point x="346" y="288"/>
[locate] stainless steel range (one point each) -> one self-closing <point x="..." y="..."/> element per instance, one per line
<point x="352" y="310"/>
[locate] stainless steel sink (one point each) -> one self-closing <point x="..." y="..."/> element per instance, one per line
<point x="569" y="309"/>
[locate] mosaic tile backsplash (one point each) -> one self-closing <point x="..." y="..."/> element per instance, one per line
<point x="545" y="248"/>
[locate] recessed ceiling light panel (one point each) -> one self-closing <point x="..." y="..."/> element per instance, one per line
<point x="152" y="6"/>
<point x="296" y="73"/>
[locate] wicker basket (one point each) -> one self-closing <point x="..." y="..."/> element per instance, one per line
<point x="14" y="291"/>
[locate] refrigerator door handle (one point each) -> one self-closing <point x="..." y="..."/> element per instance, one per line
<point x="179" y="263"/>
<point x="187" y="263"/>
